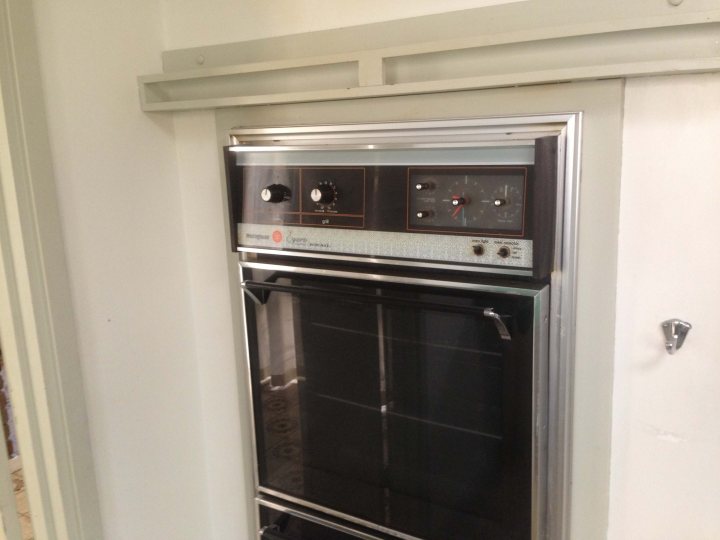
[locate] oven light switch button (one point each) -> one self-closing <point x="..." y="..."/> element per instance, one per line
<point x="275" y="193"/>
<point x="423" y="214"/>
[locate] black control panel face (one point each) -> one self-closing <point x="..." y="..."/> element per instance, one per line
<point x="333" y="196"/>
<point x="465" y="199"/>
<point x="496" y="217"/>
<point x="322" y="196"/>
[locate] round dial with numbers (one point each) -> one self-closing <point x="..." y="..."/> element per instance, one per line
<point x="324" y="194"/>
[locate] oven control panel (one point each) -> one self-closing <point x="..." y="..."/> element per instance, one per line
<point x="309" y="196"/>
<point x="489" y="218"/>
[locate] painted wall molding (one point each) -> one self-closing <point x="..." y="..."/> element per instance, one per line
<point x="36" y="316"/>
<point x="524" y="43"/>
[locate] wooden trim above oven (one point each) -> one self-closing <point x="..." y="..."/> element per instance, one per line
<point x="504" y="45"/>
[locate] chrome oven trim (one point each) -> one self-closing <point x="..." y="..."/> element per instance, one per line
<point x="540" y="413"/>
<point x="393" y="142"/>
<point x="492" y="128"/>
<point x="335" y="513"/>
<point x="248" y="381"/>
<point x="384" y="278"/>
<point x="541" y="301"/>
<point x="260" y="501"/>
<point x="563" y="309"/>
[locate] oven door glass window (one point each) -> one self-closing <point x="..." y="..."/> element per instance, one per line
<point x="398" y="405"/>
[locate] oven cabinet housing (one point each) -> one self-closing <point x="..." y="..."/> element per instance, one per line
<point x="397" y="406"/>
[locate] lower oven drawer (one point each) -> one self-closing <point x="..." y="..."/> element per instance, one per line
<point x="281" y="522"/>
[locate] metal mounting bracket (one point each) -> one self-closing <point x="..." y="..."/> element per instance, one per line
<point x="675" y="333"/>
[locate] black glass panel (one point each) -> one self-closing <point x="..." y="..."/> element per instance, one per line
<point x="398" y="405"/>
<point x="455" y="364"/>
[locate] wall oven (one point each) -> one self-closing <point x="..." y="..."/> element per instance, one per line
<point x="396" y="299"/>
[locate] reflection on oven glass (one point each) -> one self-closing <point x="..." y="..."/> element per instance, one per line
<point x="282" y="437"/>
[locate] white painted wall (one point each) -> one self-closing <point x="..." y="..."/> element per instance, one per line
<point x="123" y="222"/>
<point x="666" y="436"/>
<point x="211" y="266"/>
<point x="228" y="21"/>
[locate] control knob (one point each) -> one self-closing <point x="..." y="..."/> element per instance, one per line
<point x="275" y="193"/>
<point x="323" y="194"/>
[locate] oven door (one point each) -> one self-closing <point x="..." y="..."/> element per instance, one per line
<point x="401" y="404"/>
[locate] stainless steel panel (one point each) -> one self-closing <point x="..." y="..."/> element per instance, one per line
<point x="341" y="515"/>
<point x="407" y="280"/>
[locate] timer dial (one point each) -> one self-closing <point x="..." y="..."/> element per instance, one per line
<point x="275" y="193"/>
<point x="324" y="193"/>
<point x="508" y="203"/>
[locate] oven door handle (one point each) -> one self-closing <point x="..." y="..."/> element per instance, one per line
<point x="259" y="292"/>
<point x="499" y="323"/>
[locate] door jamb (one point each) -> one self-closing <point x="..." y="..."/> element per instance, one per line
<point x="36" y="316"/>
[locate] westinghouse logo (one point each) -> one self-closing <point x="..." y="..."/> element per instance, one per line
<point x="277" y="237"/>
<point x="253" y="236"/>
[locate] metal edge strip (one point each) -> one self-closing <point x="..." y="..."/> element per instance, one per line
<point x="250" y="391"/>
<point x="315" y="519"/>
<point x="405" y="280"/>
<point x="562" y="340"/>
<point x="485" y="124"/>
<point x="258" y="521"/>
<point x="335" y="513"/>
<point x="541" y="389"/>
<point x="393" y="262"/>
<point x="466" y="142"/>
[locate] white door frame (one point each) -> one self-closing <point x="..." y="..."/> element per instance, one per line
<point x="36" y="317"/>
